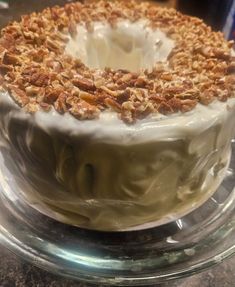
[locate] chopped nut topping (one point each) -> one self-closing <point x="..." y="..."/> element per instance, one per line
<point x="38" y="74"/>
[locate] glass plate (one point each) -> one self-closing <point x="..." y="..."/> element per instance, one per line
<point x="189" y="245"/>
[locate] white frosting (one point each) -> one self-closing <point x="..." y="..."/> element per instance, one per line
<point x="168" y="128"/>
<point x="109" y="128"/>
<point x="131" y="46"/>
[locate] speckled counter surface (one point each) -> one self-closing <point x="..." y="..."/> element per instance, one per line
<point x="14" y="272"/>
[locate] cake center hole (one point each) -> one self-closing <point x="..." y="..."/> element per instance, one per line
<point x="129" y="46"/>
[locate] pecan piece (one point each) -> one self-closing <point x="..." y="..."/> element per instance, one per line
<point x="32" y="91"/>
<point x="127" y="116"/>
<point x="188" y="105"/>
<point x="31" y="108"/>
<point x="99" y="82"/>
<point x="165" y="108"/>
<point x="221" y="54"/>
<point x="141" y="82"/>
<point x="189" y="94"/>
<point x="230" y="80"/>
<point x="38" y="55"/>
<point x="10" y="59"/>
<point x="206" y="97"/>
<point x="55" y="65"/>
<point x="1" y="80"/>
<point x="18" y="95"/>
<point x="89" y="98"/>
<point x="51" y="95"/>
<point x="125" y="78"/>
<point x="113" y="105"/>
<point x="83" y="84"/>
<point x="128" y="106"/>
<point x="60" y="104"/>
<point x="72" y="100"/>
<point x="166" y="77"/>
<point x="83" y="110"/>
<point x="205" y="51"/>
<point x="173" y="90"/>
<point x="143" y="110"/>
<point x="54" y="46"/>
<point x="124" y="96"/>
<point x="109" y="92"/>
<point x="39" y="79"/>
<point x="231" y="68"/>
<point x="175" y="104"/>
<point x="4" y="69"/>
<point x="157" y="99"/>
<point x="223" y="96"/>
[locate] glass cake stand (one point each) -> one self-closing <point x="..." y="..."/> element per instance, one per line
<point x="201" y="239"/>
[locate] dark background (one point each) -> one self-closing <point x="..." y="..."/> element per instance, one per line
<point x="214" y="12"/>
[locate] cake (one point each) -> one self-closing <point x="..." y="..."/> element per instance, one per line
<point x="118" y="115"/>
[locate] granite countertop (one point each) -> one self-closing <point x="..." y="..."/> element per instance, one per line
<point x="14" y="272"/>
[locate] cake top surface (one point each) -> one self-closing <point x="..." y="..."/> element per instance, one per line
<point x="40" y="74"/>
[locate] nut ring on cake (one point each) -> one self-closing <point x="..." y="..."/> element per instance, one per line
<point x="116" y="111"/>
